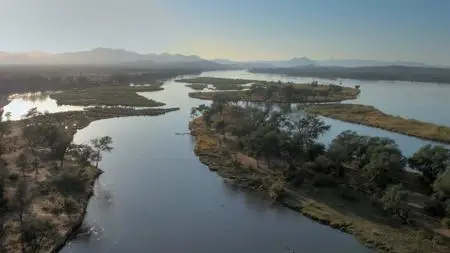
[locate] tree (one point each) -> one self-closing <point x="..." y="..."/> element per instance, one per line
<point x="431" y="161"/>
<point x="393" y="202"/>
<point x="102" y="144"/>
<point x="442" y="185"/>
<point x="34" y="232"/>
<point x="303" y="134"/>
<point x="83" y="154"/>
<point x="23" y="163"/>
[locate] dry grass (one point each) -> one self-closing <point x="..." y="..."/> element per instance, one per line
<point x="370" y="116"/>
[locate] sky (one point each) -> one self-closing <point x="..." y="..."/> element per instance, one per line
<point x="412" y="30"/>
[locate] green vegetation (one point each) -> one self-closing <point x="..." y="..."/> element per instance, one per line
<point x="358" y="184"/>
<point x="278" y="92"/>
<point x="370" y="116"/>
<point x="218" y="83"/>
<point x="45" y="179"/>
<point x="108" y="96"/>
<point x="197" y="86"/>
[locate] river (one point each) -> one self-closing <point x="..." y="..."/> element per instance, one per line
<point x="155" y="196"/>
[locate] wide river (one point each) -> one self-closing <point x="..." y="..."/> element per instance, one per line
<point x="155" y="195"/>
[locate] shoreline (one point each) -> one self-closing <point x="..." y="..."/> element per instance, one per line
<point x="65" y="225"/>
<point x="76" y="226"/>
<point x="317" y="204"/>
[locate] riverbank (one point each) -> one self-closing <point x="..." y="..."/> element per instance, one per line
<point x="360" y="219"/>
<point x="370" y="116"/>
<point x="57" y="194"/>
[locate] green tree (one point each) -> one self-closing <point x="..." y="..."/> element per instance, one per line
<point x="442" y="185"/>
<point x="393" y="202"/>
<point x="431" y="161"/>
<point x="83" y="154"/>
<point x="102" y="144"/>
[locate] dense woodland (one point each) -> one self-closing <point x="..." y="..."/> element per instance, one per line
<point x="393" y="73"/>
<point x="360" y="168"/>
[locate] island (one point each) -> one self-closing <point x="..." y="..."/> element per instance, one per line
<point x="278" y="92"/>
<point x="357" y="185"/>
<point x="200" y="83"/>
<point x="108" y="96"/>
<point x="371" y="116"/>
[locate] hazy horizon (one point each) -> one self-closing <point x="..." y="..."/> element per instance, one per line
<point x="403" y="30"/>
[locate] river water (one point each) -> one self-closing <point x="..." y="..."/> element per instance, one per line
<point x="155" y="196"/>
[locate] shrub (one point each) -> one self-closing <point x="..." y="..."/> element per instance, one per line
<point x="434" y="208"/>
<point x="276" y="190"/>
<point x="323" y="164"/>
<point x="348" y="193"/>
<point x="323" y="180"/>
<point x="446" y="222"/>
<point x="13" y="176"/>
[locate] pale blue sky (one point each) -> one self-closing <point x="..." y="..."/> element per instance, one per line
<point x="417" y="30"/>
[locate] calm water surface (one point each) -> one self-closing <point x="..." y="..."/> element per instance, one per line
<point x="157" y="197"/>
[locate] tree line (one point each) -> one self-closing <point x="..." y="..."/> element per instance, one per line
<point x="360" y="167"/>
<point x="393" y="73"/>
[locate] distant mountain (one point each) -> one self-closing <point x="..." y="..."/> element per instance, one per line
<point x="367" y="63"/>
<point x="297" y="62"/>
<point x="307" y="62"/>
<point x="108" y="56"/>
<point x="294" y="62"/>
<point x="101" y="56"/>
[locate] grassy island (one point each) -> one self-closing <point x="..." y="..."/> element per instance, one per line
<point x="357" y="185"/>
<point x="200" y="83"/>
<point x="370" y="116"/>
<point x="284" y="93"/>
<point x="108" y="96"/>
<point x="46" y="180"/>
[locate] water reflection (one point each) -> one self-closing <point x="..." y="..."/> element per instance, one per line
<point x="20" y="104"/>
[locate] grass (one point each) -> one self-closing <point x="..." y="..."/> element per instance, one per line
<point x="326" y="206"/>
<point x="108" y="96"/>
<point x="370" y="116"/>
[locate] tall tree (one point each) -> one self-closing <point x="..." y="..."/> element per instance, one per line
<point x="431" y="161"/>
<point x="102" y="144"/>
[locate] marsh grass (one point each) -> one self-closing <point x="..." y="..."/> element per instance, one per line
<point x="371" y="116"/>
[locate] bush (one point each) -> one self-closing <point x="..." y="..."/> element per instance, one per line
<point x="323" y="164"/>
<point x="434" y="208"/>
<point x="276" y="190"/>
<point x="348" y="193"/>
<point x="446" y="222"/>
<point x="323" y="180"/>
<point x="13" y="176"/>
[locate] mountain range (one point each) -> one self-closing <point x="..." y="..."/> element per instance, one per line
<point x="107" y="56"/>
